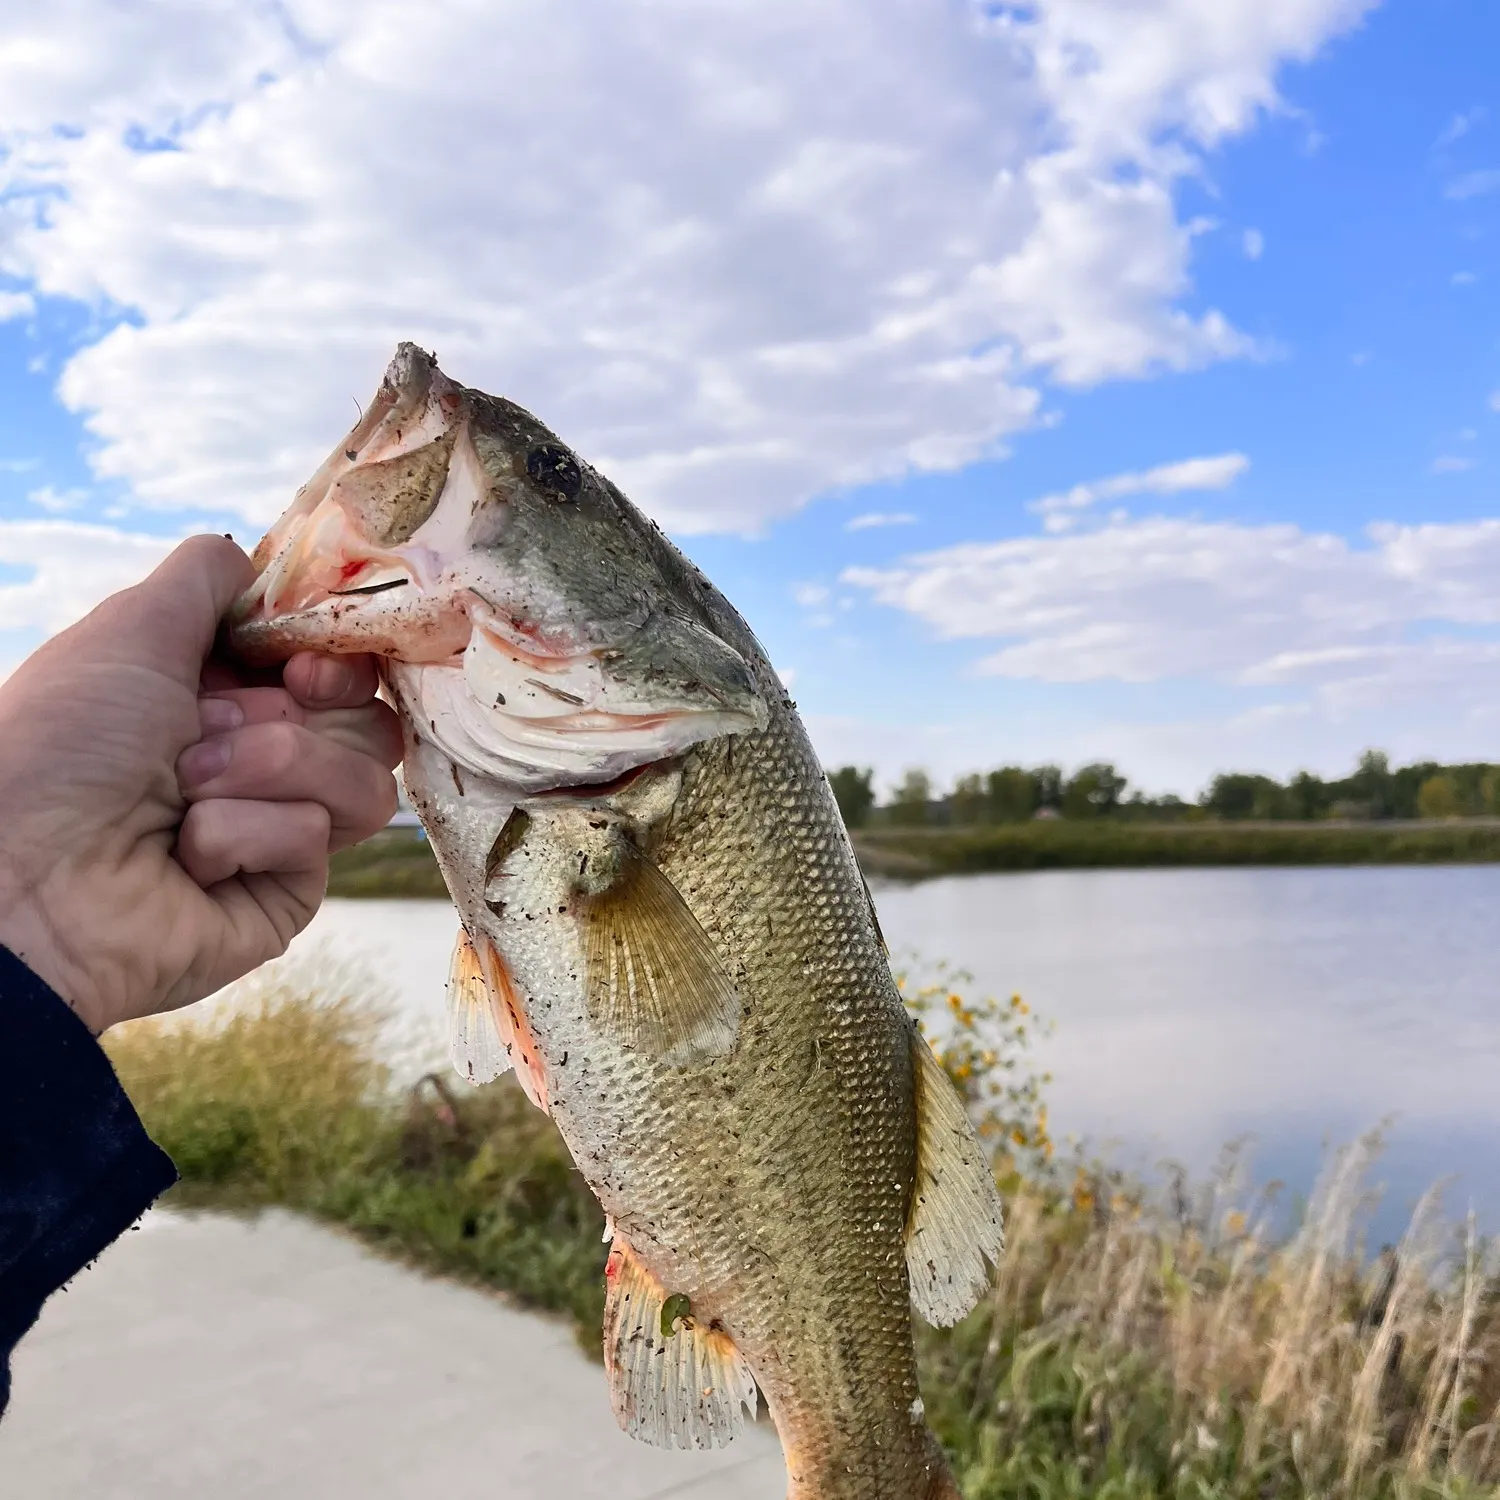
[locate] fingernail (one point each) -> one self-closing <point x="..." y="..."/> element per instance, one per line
<point x="203" y="761"/>
<point x="215" y="715"/>
<point x="331" y="678"/>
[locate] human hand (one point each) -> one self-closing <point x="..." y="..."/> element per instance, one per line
<point x="165" y="825"/>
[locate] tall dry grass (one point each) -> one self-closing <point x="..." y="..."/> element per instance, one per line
<point x="1194" y="1353"/>
<point x="1134" y="1344"/>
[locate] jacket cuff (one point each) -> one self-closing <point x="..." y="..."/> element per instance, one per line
<point x="76" y="1165"/>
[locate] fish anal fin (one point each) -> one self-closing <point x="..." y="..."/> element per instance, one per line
<point x="654" y="979"/>
<point x="475" y="1044"/>
<point x="954" y="1223"/>
<point x="683" y="1389"/>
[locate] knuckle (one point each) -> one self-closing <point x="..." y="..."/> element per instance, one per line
<point x="281" y="747"/>
<point x="386" y="801"/>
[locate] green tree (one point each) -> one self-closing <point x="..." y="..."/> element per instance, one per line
<point x="1241" y="795"/>
<point x="911" y="802"/>
<point x="1094" y="791"/>
<point x="1374" y="785"/>
<point x="1048" y="781"/>
<point x="1013" y="794"/>
<point x="1307" y="796"/>
<point x="1439" y="798"/>
<point x="1489" y="792"/>
<point x="967" y="803"/>
<point x="854" y="791"/>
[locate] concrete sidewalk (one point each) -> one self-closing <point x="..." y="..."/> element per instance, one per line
<point x="206" y="1356"/>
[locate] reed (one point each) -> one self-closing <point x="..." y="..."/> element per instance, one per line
<point x="1136" y="1343"/>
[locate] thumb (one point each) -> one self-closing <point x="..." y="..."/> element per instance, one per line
<point x="168" y="621"/>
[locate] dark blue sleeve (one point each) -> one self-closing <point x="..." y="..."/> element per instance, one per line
<point x="77" y="1168"/>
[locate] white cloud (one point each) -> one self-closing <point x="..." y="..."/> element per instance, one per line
<point x="738" y="254"/>
<point x="1473" y="184"/>
<point x="1190" y="474"/>
<point x="57" y="501"/>
<point x="874" y="518"/>
<point x="1461" y="124"/>
<point x="1255" y="606"/>
<point x="810" y="595"/>
<point x="1495" y="401"/>
<point x="16" y="305"/>
<point x="1253" y="243"/>
<point x="70" y="567"/>
<point x="1463" y="278"/>
<point x="1451" y="463"/>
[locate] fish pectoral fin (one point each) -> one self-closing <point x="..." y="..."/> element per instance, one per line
<point x="475" y="1043"/>
<point x="954" y="1224"/>
<point x="653" y="976"/>
<point x="682" y="1389"/>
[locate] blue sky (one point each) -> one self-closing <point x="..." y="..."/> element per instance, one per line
<point x="782" y="269"/>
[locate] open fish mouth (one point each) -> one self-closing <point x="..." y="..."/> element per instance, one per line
<point x="356" y="562"/>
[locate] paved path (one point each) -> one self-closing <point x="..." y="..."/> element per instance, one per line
<point x="206" y="1356"/>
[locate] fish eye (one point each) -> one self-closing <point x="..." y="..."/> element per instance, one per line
<point x="555" y="470"/>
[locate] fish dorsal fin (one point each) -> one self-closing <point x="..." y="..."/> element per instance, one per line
<point x="954" y="1223"/>
<point x="683" y="1388"/>
<point x="653" y="976"/>
<point x="474" y="1041"/>
<point x="885" y="947"/>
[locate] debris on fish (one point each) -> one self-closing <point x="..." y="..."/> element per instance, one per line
<point x="664" y="930"/>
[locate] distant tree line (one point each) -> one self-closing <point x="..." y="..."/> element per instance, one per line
<point x="1015" y="794"/>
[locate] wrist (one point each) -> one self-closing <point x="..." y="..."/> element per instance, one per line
<point x="30" y="934"/>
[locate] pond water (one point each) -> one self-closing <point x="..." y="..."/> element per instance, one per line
<point x="1190" y="1007"/>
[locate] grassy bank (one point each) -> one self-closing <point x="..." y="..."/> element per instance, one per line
<point x="1130" y="1348"/>
<point x="399" y="862"/>
<point x="917" y="852"/>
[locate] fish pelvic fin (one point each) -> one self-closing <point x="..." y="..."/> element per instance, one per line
<point x="954" y="1223"/>
<point x="653" y="976"/>
<point x="475" y="1045"/>
<point x="685" y="1388"/>
<point x="487" y="1026"/>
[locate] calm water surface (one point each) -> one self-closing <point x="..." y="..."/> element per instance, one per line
<point x="1191" y="1007"/>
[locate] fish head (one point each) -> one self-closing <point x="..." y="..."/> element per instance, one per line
<point x="536" y="626"/>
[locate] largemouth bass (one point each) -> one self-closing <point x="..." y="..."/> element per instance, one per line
<point x="664" y="930"/>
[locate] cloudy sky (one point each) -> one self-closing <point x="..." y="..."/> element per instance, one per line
<point x="1077" y="379"/>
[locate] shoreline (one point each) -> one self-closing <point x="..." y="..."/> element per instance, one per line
<point x="398" y="861"/>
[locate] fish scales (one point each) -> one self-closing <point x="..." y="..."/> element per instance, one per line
<point x="772" y="1185"/>
<point x="664" y="929"/>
